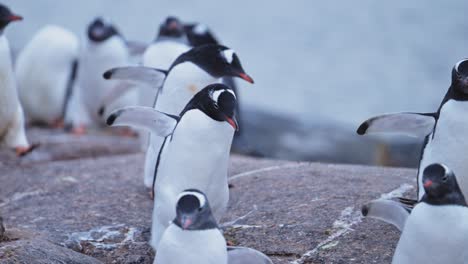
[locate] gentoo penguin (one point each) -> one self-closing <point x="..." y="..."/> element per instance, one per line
<point x="194" y="155"/>
<point x="170" y="43"/>
<point x="198" y="34"/>
<point x="45" y="72"/>
<point x="190" y="72"/>
<point x="105" y="48"/>
<point x="435" y="231"/>
<point x="444" y="130"/>
<point x="194" y="237"/>
<point x="12" y="132"/>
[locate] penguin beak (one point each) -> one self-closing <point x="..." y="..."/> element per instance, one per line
<point x="246" y="77"/>
<point x="15" y="18"/>
<point x="186" y="222"/>
<point x="427" y="183"/>
<point x="233" y="122"/>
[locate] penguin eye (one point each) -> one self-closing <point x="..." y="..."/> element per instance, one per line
<point x="445" y="178"/>
<point x="215" y="105"/>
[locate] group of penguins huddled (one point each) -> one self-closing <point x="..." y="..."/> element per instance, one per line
<point x="178" y="93"/>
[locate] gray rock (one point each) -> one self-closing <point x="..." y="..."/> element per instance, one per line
<point x="40" y="251"/>
<point x="289" y="210"/>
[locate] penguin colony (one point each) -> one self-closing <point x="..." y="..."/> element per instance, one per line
<point x="179" y="94"/>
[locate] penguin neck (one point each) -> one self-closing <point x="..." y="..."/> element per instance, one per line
<point x="453" y="198"/>
<point x="112" y="45"/>
<point x="453" y="94"/>
<point x="181" y="39"/>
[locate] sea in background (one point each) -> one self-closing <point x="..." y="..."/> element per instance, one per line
<point x="320" y="67"/>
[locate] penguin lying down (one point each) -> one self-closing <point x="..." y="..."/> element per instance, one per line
<point x="436" y="230"/>
<point x="194" y="237"/>
<point x="444" y="131"/>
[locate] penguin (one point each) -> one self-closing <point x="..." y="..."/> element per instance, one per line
<point x="194" y="155"/>
<point x="12" y="130"/>
<point x="105" y="48"/>
<point x="45" y="72"/>
<point x="444" y="130"/>
<point x="190" y="72"/>
<point x="199" y="34"/>
<point x="170" y="43"/>
<point x="194" y="237"/>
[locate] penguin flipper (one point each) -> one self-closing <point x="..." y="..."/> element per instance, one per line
<point x="245" y="255"/>
<point x="144" y="75"/>
<point x="146" y="118"/>
<point x="389" y="211"/>
<point x="113" y="94"/>
<point x="410" y="124"/>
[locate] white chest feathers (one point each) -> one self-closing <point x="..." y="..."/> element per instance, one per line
<point x="449" y="145"/>
<point x="434" y="234"/>
<point x="162" y="54"/>
<point x="188" y="247"/>
<point x="43" y="71"/>
<point x="182" y="83"/>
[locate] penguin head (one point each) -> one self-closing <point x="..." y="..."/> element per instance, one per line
<point x="101" y="30"/>
<point x="217" y="60"/>
<point x="198" y="34"/>
<point x="217" y="101"/>
<point x="440" y="185"/>
<point x="6" y="16"/>
<point x="460" y="76"/>
<point x="171" y="28"/>
<point x="193" y="211"/>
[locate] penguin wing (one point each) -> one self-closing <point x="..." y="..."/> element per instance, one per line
<point x="144" y="75"/>
<point x="244" y="255"/>
<point x="389" y="211"/>
<point x="411" y="124"/>
<point x="144" y="118"/>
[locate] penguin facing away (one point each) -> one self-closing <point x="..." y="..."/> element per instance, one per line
<point x="194" y="237"/>
<point x="45" y="72"/>
<point x="444" y="130"/>
<point x="105" y="48"/>
<point x="195" y="152"/>
<point x="12" y="131"/>
<point x="435" y="231"/>
<point x="191" y="71"/>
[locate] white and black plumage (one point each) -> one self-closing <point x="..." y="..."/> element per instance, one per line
<point x="444" y="130"/>
<point x="105" y="48"/>
<point x="435" y="231"/>
<point x="194" y="155"/>
<point x="194" y="237"/>
<point x="45" y="72"/>
<point x="12" y="131"/>
<point x="191" y="72"/>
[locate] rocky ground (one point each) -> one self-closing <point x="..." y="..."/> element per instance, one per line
<point x="81" y="200"/>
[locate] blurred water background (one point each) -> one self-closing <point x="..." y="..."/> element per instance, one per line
<point x="320" y="67"/>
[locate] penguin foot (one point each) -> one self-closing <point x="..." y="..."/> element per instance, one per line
<point x="127" y="132"/>
<point x="23" y="151"/>
<point x="59" y="123"/>
<point x="79" y="130"/>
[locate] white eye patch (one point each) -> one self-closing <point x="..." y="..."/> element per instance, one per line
<point x="201" y="198"/>
<point x="458" y="64"/>
<point x="217" y="93"/>
<point x="229" y="55"/>
<point x="200" y="29"/>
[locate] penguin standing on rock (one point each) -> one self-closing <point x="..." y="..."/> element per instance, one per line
<point x="12" y="132"/>
<point x="194" y="237"/>
<point x="45" y="71"/>
<point x="445" y="130"/>
<point x="436" y="231"/>
<point x="105" y="48"/>
<point x="190" y="72"/>
<point x="194" y="153"/>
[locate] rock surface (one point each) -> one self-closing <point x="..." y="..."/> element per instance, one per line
<point x="295" y="212"/>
